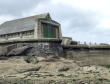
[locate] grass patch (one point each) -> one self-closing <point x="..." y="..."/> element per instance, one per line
<point x="106" y="66"/>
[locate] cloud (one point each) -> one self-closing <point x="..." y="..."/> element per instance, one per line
<point x="4" y="18"/>
<point x="83" y="20"/>
<point x="16" y="7"/>
<point x="76" y="23"/>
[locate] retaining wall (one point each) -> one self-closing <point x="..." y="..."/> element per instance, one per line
<point x="89" y="56"/>
<point x="32" y="48"/>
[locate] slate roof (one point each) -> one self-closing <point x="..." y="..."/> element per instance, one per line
<point x="18" y="25"/>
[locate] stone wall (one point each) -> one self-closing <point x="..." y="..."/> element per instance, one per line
<point x="42" y="48"/>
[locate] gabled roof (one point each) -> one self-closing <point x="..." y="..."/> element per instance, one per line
<point x="23" y="24"/>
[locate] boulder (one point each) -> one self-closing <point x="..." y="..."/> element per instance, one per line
<point x="37" y="68"/>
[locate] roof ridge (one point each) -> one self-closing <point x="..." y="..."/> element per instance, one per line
<point x="27" y="17"/>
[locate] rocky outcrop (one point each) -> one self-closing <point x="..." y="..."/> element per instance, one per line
<point x="61" y="71"/>
<point x="19" y="51"/>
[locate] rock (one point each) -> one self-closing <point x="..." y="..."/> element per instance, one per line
<point x="51" y="59"/>
<point x="31" y="59"/>
<point x="29" y="69"/>
<point x="64" y="68"/>
<point x="40" y="59"/>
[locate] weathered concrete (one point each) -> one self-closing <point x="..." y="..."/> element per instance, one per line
<point x="97" y="56"/>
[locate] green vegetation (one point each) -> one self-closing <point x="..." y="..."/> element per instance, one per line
<point x="106" y="66"/>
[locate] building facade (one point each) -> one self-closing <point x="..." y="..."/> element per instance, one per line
<point x="33" y="27"/>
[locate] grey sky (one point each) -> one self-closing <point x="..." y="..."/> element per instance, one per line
<point x="83" y="21"/>
<point x="16" y="7"/>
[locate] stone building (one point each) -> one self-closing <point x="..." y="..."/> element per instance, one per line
<point x="33" y="27"/>
<point x="37" y="35"/>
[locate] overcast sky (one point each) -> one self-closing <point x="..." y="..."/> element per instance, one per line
<point x="83" y="20"/>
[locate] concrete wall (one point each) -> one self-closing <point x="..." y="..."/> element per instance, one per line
<point x="88" y="57"/>
<point x="3" y="50"/>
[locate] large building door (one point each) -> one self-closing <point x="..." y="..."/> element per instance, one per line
<point x="49" y="31"/>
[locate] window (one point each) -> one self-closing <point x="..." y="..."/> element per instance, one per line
<point x="24" y="33"/>
<point x="1" y="36"/>
<point x="49" y="30"/>
<point x="27" y="33"/>
<point x="31" y="32"/>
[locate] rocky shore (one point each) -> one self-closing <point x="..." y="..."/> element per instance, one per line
<point x="51" y="70"/>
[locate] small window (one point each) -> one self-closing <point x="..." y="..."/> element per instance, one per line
<point x="24" y="33"/>
<point x="31" y="32"/>
<point x="0" y="36"/>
